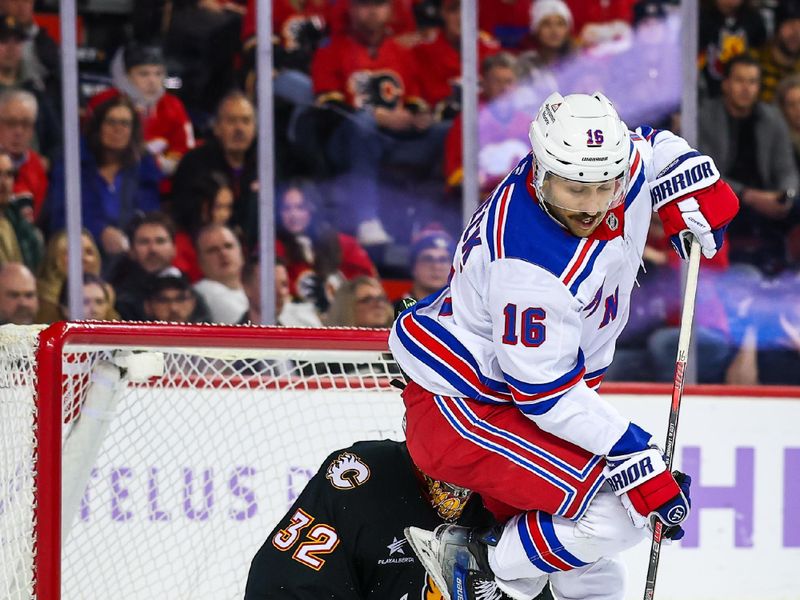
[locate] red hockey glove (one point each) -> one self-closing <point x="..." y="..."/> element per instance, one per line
<point x="691" y="199"/>
<point x="648" y="490"/>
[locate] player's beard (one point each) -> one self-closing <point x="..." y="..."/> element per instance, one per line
<point x="584" y="224"/>
<point x="578" y="224"/>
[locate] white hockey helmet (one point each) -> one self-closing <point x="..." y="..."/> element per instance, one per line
<point x="580" y="138"/>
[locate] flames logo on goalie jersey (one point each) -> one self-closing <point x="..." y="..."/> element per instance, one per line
<point x="347" y="472"/>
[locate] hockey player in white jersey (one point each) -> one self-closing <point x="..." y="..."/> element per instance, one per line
<point x="505" y="361"/>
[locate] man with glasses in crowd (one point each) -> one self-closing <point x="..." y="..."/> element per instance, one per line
<point x="14" y="74"/>
<point x="170" y="298"/>
<point x="431" y="256"/>
<point x="18" y="111"/>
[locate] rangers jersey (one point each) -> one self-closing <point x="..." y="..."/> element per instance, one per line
<point x="532" y="313"/>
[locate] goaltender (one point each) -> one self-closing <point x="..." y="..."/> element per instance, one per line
<point x="343" y="537"/>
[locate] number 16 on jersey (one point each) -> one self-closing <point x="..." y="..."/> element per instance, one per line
<point x="526" y="327"/>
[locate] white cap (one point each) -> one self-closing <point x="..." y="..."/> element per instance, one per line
<point x="546" y="8"/>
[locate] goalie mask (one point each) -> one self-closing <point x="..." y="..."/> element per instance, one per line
<point x="580" y="150"/>
<point x="448" y="500"/>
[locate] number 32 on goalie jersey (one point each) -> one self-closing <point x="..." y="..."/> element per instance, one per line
<point x="526" y="326"/>
<point x="320" y="539"/>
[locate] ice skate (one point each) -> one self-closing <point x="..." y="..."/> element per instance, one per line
<point x="457" y="559"/>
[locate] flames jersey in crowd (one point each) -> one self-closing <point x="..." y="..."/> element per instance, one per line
<point x="302" y="277"/>
<point x="402" y="20"/>
<point x="532" y="313"/>
<point x="441" y="76"/>
<point x="288" y="17"/>
<point x="343" y="537"/>
<point x="166" y="127"/>
<point x="344" y="70"/>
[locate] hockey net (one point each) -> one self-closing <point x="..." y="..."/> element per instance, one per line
<point x="182" y="447"/>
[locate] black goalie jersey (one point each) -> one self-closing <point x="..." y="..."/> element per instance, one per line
<point x="343" y="537"/>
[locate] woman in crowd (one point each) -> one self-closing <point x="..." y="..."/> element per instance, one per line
<point x="214" y="205"/>
<point x="549" y="43"/>
<point x="360" y="302"/>
<point x="98" y="300"/>
<point x="318" y="257"/>
<point x="138" y="72"/>
<point x="53" y="274"/>
<point x="118" y="176"/>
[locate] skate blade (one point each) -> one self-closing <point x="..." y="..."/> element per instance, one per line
<point x="421" y="542"/>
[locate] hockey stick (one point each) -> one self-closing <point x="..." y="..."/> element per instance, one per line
<point x="684" y="338"/>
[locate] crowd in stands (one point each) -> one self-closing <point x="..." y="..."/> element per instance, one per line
<point x="368" y="159"/>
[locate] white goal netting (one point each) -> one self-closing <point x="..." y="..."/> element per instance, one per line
<point x="171" y="483"/>
<point x="17" y="446"/>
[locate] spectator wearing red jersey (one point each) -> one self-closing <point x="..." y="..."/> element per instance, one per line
<point x="18" y="110"/>
<point x="508" y="21"/>
<point x="298" y="28"/>
<point x="318" y="258"/>
<point x="600" y="21"/>
<point x="372" y="75"/>
<point x="290" y="18"/>
<point x="440" y="79"/>
<point x="138" y="72"/>
<point x="502" y="128"/>
<point x="401" y="18"/>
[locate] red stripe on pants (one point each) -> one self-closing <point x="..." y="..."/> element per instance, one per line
<point x="507" y="488"/>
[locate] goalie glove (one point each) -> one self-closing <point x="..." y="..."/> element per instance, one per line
<point x="648" y="491"/>
<point x="692" y="200"/>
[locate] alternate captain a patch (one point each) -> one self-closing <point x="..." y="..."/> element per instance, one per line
<point x="347" y="471"/>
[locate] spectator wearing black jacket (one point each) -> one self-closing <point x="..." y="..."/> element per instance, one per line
<point x="231" y="151"/>
<point x="151" y="254"/>
<point x="171" y="298"/>
<point x="750" y="143"/>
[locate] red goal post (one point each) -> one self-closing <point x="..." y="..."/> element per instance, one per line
<point x="305" y="360"/>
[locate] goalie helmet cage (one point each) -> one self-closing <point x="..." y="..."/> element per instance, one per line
<point x="197" y="464"/>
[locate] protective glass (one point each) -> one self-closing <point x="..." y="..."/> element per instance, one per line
<point x="581" y="197"/>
